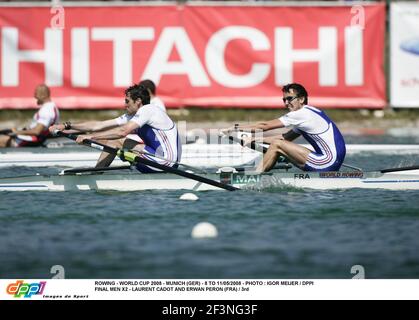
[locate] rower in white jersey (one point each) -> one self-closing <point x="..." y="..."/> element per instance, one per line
<point x="313" y="124"/>
<point x="154" y="99"/>
<point x="37" y="132"/>
<point x="151" y="88"/>
<point x="153" y="126"/>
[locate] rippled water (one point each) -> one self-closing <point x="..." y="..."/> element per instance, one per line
<point x="283" y="233"/>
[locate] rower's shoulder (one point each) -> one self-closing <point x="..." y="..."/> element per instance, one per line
<point x="48" y="105"/>
<point x="308" y="108"/>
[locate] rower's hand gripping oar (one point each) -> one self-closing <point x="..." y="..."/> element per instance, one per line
<point x="257" y="146"/>
<point x="253" y="145"/>
<point x="134" y="158"/>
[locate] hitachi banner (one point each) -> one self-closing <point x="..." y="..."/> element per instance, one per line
<point x="219" y="56"/>
<point x="404" y="35"/>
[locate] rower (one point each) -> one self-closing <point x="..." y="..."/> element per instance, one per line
<point x="154" y="99"/>
<point x="147" y="121"/>
<point x="37" y="132"/>
<point x="313" y="124"/>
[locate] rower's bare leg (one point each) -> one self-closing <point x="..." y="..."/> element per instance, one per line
<point x="5" y="141"/>
<point x="297" y="154"/>
<point x="134" y="145"/>
<point x="105" y="158"/>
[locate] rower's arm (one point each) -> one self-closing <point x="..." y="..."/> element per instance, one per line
<point x="36" y="131"/>
<point x="291" y="135"/>
<point x="116" y="133"/>
<point x="263" y="125"/>
<point x="94" y="126"/>
<point x="87" y="126"/>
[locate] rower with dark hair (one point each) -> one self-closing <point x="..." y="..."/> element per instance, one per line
<point x="313" y="124"/>
<point x="147" y="121"/>
<point x="154" y="99"/>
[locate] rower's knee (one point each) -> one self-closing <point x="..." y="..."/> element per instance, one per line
<point x="129" y="144"/>
<point x="113" y="143"/>
<point x="278" y="145"/>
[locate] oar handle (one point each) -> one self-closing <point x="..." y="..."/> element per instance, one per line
<point x="254" y="145"/>
<point x="5" y="131"/>
<point x="399" y="169"/>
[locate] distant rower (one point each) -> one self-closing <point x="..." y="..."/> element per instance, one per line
<point x="37" y="131"/>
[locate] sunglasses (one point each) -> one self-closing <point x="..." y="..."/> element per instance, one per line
<point x="289" y="99"/>
<point x="126" y="101"/>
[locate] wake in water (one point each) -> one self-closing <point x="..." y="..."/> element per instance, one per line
<point x="271" y="184"/>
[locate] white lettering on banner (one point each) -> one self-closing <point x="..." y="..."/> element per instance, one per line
<point x="325" y="55"/>
<point x="51" y="56"/>
<point x="189" y="64"/>
<point x="354" y="66"/>
<point x="80" y="65"/>
<point x="215" y="60"/>
<point x="122" y="49"/>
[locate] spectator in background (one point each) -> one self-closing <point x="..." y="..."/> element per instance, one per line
<point x="151" y="87"/>
<point x="37" y="132"/>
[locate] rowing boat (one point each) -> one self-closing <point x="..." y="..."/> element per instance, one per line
<point x="405" y="179"/>
<point x="196" y="155"/>
<point x="172" y="178"/>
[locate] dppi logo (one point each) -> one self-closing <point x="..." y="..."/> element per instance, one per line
<point x="27" y="290"/>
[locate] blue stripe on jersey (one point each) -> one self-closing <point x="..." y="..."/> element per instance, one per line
<point x="153" y="146"/>
<point x="147" y="134"/>
<point x="313" y="143"/>
<point x="321" y="114"/>
<point x="339" y="141"/>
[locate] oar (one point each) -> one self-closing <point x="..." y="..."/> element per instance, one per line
<point x="399" y="169"/>
<point x="254" y="145"/>
<point x="171" y="161"/>
<point x="95" y="169"/>
<point x="261" y="147"/>
<point x="133" y="158"/>
<point x="5" y="131"/>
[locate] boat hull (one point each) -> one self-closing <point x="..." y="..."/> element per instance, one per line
<point x="406" y="180"/>
<point x="196" y="155"/>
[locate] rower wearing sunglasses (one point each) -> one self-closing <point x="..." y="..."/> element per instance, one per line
<point x="313" y="124"/>
<point x="157" y="137"/>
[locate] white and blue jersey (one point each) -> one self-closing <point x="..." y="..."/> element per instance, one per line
<point x="323" y="135"/>
<point x="159" y="135"/>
